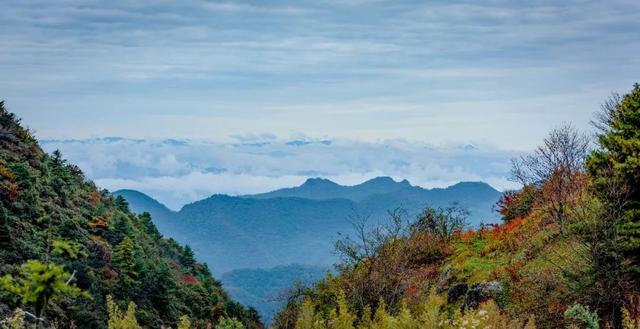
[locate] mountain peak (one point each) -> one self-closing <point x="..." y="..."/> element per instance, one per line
<point x="318" y="181"/>
<point x="470" y="185"/>
<point x="384" y="181"/>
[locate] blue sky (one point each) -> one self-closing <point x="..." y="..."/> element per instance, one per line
<point x="494" y="73"/>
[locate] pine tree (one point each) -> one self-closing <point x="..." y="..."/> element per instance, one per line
<point x="187" y="258"/>
<point x="123" y="259"/>
<point x="341" y="319"/>
<point x="308" y="318"/>
<point x="617" y="164"/>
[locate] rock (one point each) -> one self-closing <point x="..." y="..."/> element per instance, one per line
<point x="479" y="293"/>
<point x="443" y="279"/>
<point x="456" y="291"/>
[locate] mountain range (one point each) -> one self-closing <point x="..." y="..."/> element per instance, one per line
<point x="260" y="240"/>
<point x="299" y="224"/>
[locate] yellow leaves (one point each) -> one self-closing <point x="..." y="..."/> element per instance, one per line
<point x="184" y="323"/>
<point x="120" y="320"/>
<point x="428" y="315"/>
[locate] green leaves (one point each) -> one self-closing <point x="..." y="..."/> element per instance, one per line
<point x="39" y="283"/>
<point x="68" y="249"/>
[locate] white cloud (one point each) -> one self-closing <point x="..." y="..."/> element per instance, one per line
<point x="177" y="172"/>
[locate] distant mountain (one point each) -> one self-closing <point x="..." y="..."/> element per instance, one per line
<point x="266" y="287"/>
<point x="300" y="224"/>
<point x="244" y="236"/>
<point x="139" y="202"/>
<point x="323" y="189"/>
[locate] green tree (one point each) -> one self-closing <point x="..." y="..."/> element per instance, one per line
<point x="187" y="258"/>
<point x="40" y="283"/>
<point x="124" y="261"/>
<point x="308" y="318"/>
<point x="617" y="163"/>
<point x="342" y="319"/>
<point x="229" y="323"/>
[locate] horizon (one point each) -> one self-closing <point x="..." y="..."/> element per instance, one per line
<point x="396" y="181"/>
<point x="249" y="96"/>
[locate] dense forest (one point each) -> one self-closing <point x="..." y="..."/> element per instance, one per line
<point x="567" y="253"/>
<point x="74" y="256"/>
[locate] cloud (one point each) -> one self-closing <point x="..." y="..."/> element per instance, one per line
<point x="501" y="73"/>
<point x="179" y="172"/>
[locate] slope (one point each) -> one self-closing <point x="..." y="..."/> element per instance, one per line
<point x="66" y="245"/>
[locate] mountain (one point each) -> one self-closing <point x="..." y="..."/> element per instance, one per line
<point x="66" y="245"/>
<point x="300" y="224"/>
<point x="322" y="189"/>
<point x="261" y="235"/>
<point x="267" y="288"/>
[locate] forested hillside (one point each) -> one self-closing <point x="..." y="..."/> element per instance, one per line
<point x="565" y="255"/>
<point x="74" y="256"/>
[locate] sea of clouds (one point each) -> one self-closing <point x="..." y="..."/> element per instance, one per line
<point x="177" y="172"/>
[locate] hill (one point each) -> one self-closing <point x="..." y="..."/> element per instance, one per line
<point x="283" y="227"/>
<point x="267" y="289"/>
<point x="250" y="235"/>
<point x="66" y="245"/>
<point x="566" y="254"/>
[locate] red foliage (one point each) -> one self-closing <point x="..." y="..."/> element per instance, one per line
<point x="468" y="235"/>
<point x="13" y="192"/>
<point x="190" y="279"/>
<point x="500" y="231"/>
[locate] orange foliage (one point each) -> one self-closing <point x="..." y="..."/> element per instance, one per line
<point x="99" y="222"/>
<point x="4" y="172"/>
<point x="468" y="235"/>
<point x="501" y="231"/>
<point x="95" y="197"/>
<point x="188" y="278"/>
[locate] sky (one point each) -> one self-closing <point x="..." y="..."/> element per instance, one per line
<point x="382" y="81"/>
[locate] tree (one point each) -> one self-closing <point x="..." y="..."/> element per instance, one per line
<point x="184" y="323"/>
<point x="229" y="323"/>
<point x="120" y="320"/>
<point x="308" y="318"/>
<point x="516" y="204"/>
<point x="40" y="283"/>
<point x="341" y="318"/>
<point x="618" y="160"/>
<point x="555" y="169"/>
<point x="187" y="258"/>
<point x="123" y="259"/>
<point x="442" y="223"/>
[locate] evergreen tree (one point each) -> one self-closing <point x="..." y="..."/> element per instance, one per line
<point x="187" y="258"/>
<point x="123" y="259"/>
<point x="617" y="164"/>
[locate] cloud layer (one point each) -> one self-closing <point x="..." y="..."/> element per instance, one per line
<point x="177" y="172"/>
<point x="497" y="72"/>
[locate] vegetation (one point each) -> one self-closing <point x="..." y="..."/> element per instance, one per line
<point x="566" y="254"/>
<point x="73" y="255"/>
